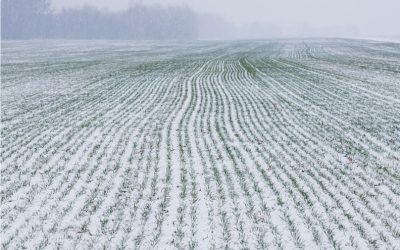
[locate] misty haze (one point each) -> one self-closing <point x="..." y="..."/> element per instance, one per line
<point x="201" y="124"/>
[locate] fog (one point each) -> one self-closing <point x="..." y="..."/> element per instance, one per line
<point x="249" y="19"/>
<point x="37" y="19"/>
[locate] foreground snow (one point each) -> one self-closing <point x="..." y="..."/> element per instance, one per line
<point x="279" y="144"/>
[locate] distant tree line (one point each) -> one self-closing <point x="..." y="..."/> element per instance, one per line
<point x="31" y="19"/>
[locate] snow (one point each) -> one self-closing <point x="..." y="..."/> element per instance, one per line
<point x="257" y="144"/>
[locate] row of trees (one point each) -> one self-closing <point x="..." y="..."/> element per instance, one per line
<point x="27" y="19"/>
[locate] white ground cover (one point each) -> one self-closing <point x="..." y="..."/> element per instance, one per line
<point x="280" y="144"/>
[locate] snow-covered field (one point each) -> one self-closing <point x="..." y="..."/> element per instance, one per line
<point x="267" y="144"/>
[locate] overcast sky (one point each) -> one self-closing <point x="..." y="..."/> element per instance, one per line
<point x="365" y="17"/>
